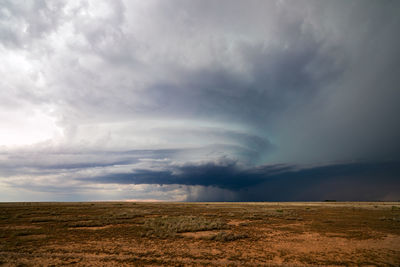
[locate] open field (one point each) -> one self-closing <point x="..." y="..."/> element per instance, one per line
<point x="235" y="234"/>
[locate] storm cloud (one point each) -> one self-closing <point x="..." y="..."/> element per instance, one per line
<point x="339" y="181"/>
<point x="199" y="100"/>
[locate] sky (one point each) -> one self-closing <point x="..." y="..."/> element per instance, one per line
<point x="199" y="100"/>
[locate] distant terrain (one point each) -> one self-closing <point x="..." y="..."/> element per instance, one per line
<point x="234" y="234"/>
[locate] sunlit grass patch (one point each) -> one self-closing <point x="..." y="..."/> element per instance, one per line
<point x="167" y="226"/>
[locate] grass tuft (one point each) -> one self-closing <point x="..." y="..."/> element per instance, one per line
<point x="226" y="237"/>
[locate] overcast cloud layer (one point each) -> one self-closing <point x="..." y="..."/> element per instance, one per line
<point x="199" y="100"/>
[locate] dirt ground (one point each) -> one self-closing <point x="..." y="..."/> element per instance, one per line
<point x="180" y="234"/>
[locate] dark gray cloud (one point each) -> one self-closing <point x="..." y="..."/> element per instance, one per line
<point x="341" y="181"/>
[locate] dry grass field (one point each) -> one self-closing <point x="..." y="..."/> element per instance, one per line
<point x="179" y="234"/>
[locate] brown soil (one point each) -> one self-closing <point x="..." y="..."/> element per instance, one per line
<point x="238" y="222"/>
<point x="200" y="234"/>
<point x="234" y="234"/>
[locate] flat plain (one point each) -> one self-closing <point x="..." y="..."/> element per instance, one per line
<point x="198" y="234"/>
